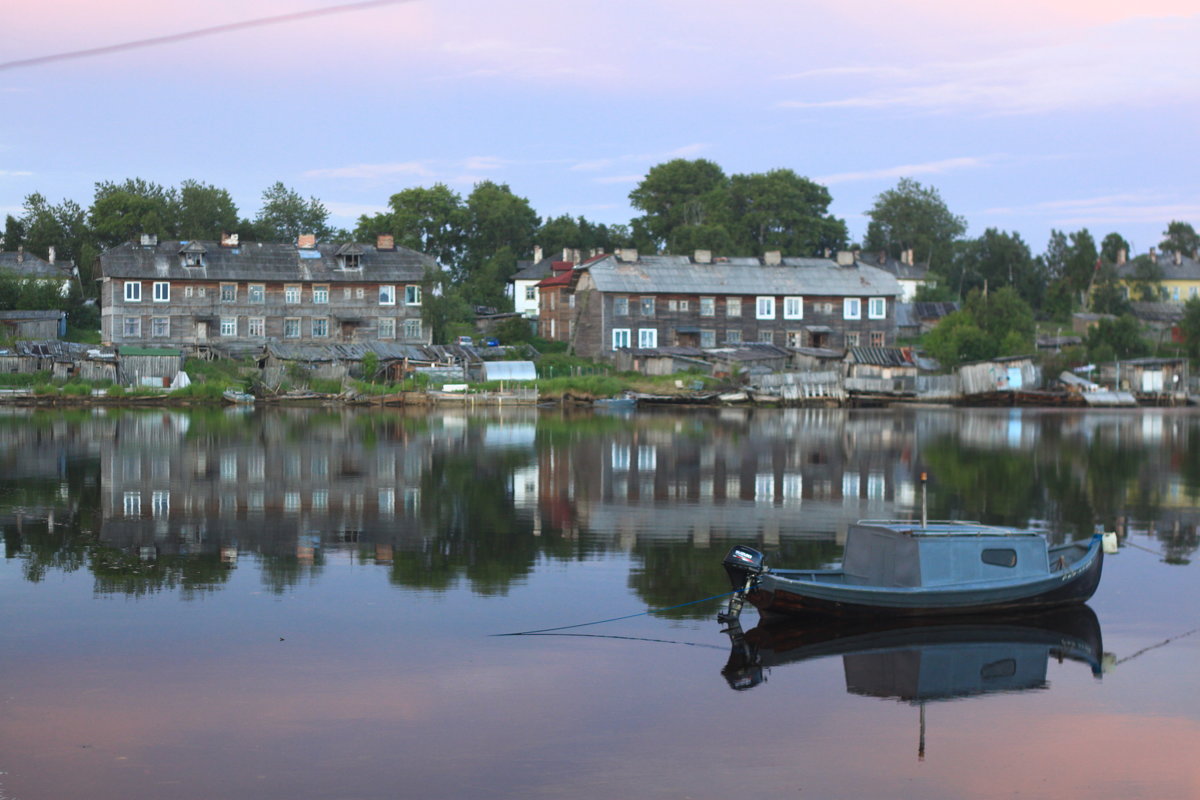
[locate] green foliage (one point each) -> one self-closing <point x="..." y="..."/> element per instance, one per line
<point x="997" y="324"/>
<point x="780" y="210"/>
<point x="205" y="211"/>
<point x="1147" y="278"/>
<point x="205" y="391"/>
<point x="1113" y="339"/>
<point x="1189" y="326"/>
<point x="328" y="385"/>
<point x="370" y="366"/>
<point x="565" y="232"/>
<point x="1111" y="247"/>
<point x="428" y="220"/>
<point x="1181" y="237"/>
<point x="285" y="215"/>
<point x="677" y="195"/>
<point x="514" y="330"/>
<point x="122" y="211"/>
<point x="24" y="379"/>
<point x="913" y="217"/>
<point x="997" y="259"/>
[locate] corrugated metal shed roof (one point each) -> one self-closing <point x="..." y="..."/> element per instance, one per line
<point x="264" y="262"/>
<point x="882" y="356"/>
<point x="678" y="275"/>
<point x="15" y="315"/>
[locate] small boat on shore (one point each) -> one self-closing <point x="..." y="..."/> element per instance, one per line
<point x="238" y="398"/>
<point x="916" y="569"/>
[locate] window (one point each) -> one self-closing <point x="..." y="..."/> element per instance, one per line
<point x="852" y="308"/>
<point x="133" y="504"/>
<point x="350" y="261"/>
<point x="160" y="327"/>
<point x="999" y="557"/>
<point x="793" y="308"/>
<point x="412" y="329"/>
<point x="347" y="292"/>
<point x="387" y="328"/>
<point x="852" y="339"/>
<point x="683" y="305"/>
<point x="708" y="306"/>
<point x="876" y="308"/>
<point x="647" y="306"/>
<point x="229" y="326"/>
<point x="187" y="291"/>
<point x="766" y="337"/>
<point x="258" y="293"/>
<point x="162" y="291"/>
<point x="291" y="328"/>
<point x="708" y="338"/>
<point x="160" y="503"/>
<point x="765" y="308"/>
<point x="795" y="338"/>
<point x="412" y="295"/>
<point x="620" y="306"/>
<point x="133" y="291"/>
<point x="256" y="326"/>
<point x="620" y="338"/>
<point x="733" y="336"/>
<point x="291" y="293"/>
<point x="733" y="306"/>
<point x="201" y="291"/>
<point x="320" y="327"/>
<point x="531" y="293"/>
<point x="647" y="337"/>
<point x="672" y="305"/>
<point x="132" y="327"/>
<point x="228" y="292"/>
<point x="359" y="293"/>
<point x="878" y="339"/>
<point x="387" y="295"/>
<point x="321" y="293"/>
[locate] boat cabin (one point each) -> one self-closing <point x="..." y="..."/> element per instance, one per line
<point x="904" y="554"/>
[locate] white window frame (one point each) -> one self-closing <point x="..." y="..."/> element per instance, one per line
<point x="386" y="328"/>
<point x="852" y="308"/>
<point x="320" y="327"/>
<point x="412" y="328"/>
<point x="229" y="326"/>
<point x="133" y="291"/>
<point x="320" y="293"/>
<point x="646" y="306"/>
<point x="708" y="337"/>
<point x="708" y="306"/>
<point x="733" y="306"/>
<point x="291" y="324"/>
<point x="620" y="306"/>
<point x="412" y="295"/>
<point x="387" y="294"/>
<point x="877" y="308"/>
<point x="229" y="292"/>
<point x="162" y="291"/>
<point x="291" y="293"/>
<point x="131" y="327"/>
<point x="793" y="307"/>
<point x="160" y="323"/>
<point x="256" y="326"/>
<point x="764" y="307"/>
<point x="620" y="338"/>
<point x="256" y="293"/>
<point x="647" y="338"/>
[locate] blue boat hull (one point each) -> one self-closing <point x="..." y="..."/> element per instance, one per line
<point x="798" y="593"/>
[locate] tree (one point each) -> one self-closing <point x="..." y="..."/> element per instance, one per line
<point x="63" y="227"/>
<point x="997" y="259"/>
<point x="1147" y="277"/>
<point x="428" y="220"/>
<point x="495" y="219"/>
<point x="679" y="194"/>
<point x="565" y="232"/>
<point x="994" y="324"/>
<point x="780" y="210"/>
<point x="14" y="233"/>
<point x="205" y="212"/>
<point x="1108" y="294"/>
<point x="1112" y="246"/>
<point x="1182" y="238"/>
<point x="121" y="212"/>
<point x="285" y="215"/>
<point x="1116" y="339"/>
<point x="1189" y="326"/>
<point x="913" y="217"/>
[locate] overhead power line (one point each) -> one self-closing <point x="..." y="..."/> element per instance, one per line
<point x="198" y="33"/>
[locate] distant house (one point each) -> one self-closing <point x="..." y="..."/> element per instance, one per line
<point x="242" y="295"/>
<point x="522" y="287"/>
<point x="29" y="267"/>
<point x="1005" y="374"/>
<point x="33" y="324"/>
<point x="627" y="300"/>
<point x="910" y="275"/>
<point x="880" y="370"/>
<point x="1179" y="276"/>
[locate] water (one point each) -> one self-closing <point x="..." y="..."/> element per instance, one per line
<point x="304" y="604"/>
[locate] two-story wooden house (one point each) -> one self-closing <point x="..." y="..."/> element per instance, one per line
<point x="628" y="300"/>
<point x="239" y="295"/>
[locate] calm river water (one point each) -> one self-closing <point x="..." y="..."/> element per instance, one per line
<point x="306" y="604"/>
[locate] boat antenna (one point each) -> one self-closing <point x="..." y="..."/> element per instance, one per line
<point x="924" y="518"/>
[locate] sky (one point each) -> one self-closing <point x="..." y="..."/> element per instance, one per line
<point x="1026" y="115"/>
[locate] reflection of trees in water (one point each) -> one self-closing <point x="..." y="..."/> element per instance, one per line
<point x="118" y="572"/>
<point x="668" y="573"/>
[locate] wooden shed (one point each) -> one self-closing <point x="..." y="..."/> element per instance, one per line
<point x="1007" y="374"/>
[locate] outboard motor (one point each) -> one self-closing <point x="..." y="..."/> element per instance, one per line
<point x="743" y="565"/>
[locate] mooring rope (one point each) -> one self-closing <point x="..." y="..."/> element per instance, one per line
<point x="615" y="619"/>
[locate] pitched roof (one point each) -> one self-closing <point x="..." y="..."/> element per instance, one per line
<point x="882" y="356"/>
<point x="27" y="265"/>
<point x="264" y="262"/>
<point x="741" y="276"/>
<point x="1188" y="269"/>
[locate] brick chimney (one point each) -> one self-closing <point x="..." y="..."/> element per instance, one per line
<point x="703" y="256"/>
<point x="845" y="258"/>
<point x="537" y="253"/>
<point x="307" y="241"/>
<point x="1121" y="256"/>
<point x="881" y="259"/>
<point x="773" y="258"/>
<point x="1178" y="257"/>
<point x="627" y="254"/>
<point x="385" y="241"/>
<point x="1153" y="256"/>
<point x="229" y="240"/>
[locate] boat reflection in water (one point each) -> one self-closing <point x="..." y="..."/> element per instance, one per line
<point x="926" y="660"/>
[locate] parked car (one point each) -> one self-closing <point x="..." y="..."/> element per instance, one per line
<point x="464" y="341"/>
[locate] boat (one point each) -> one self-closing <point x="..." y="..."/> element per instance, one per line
<point x="238" y="398"/>
<point x="897" y="568"/>
<point x="918" y="660"/>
